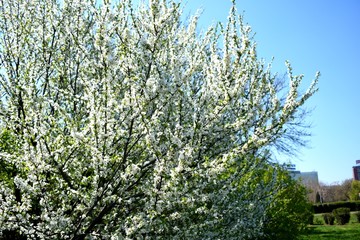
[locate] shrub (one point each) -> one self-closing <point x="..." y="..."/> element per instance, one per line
<point x="342" y="215"/>
<point x="329" y="218"/>
<point x="357" y="214"/>
<point x="311" y="219"/>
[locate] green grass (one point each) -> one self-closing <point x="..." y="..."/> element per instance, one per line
<point x="333" y="232"/>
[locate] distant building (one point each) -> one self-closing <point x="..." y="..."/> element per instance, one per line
<point x="356" y="171"/>
<point x="307" y="178"/>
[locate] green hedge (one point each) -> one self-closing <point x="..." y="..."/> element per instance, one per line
<point x="329" y="207"/>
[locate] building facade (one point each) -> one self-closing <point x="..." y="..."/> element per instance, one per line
<point x="308" y="178"/>
<point x="356" y="172"/>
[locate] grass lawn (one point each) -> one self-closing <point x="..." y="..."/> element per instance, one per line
<point x="333" y="232"/>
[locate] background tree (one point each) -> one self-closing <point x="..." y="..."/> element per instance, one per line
<point x="336" y="191"/>
<point x="126" y="123"/>
<point x="355" y="190"/>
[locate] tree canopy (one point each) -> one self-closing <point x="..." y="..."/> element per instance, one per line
<point x="124" y="122"/>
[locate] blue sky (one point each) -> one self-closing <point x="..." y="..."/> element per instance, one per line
<point x="314" y="36"/>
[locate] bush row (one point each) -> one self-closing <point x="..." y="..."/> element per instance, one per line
<point x="329" y="207"/>
<point x="342" y="216"/>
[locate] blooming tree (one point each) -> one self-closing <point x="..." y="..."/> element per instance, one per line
<point x="123" y="122"/>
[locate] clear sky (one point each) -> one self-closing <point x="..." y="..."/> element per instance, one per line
<point x="319" y="35"/>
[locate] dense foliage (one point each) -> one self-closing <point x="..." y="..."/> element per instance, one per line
<point x="290" y="212"/>
<point x="122" y="122"/>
